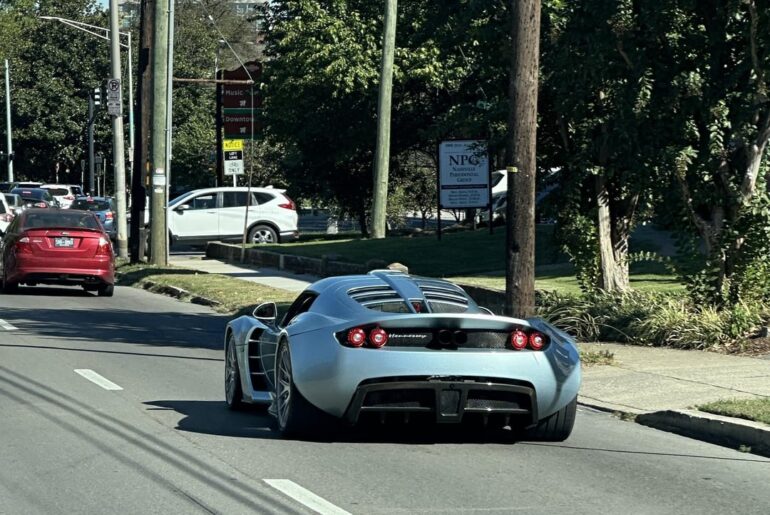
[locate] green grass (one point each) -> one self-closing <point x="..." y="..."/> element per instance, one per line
<point x="457" y="253"/>
<point x="233" y="295"/>
<point x="757" y="410"/>
<point x="590" y="357"/>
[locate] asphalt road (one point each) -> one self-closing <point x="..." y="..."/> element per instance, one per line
<point x="165" y="443"/>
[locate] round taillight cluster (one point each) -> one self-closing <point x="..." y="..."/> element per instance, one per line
<point x="376" y="339"/>
<point x="519" y="340"/>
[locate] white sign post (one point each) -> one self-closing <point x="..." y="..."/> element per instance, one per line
<point x="114" y="101"/>
<point x="463" y="174"/>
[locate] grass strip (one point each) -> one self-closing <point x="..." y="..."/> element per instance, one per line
<point x="757" y="410"/>
<point x="233" y="295"/>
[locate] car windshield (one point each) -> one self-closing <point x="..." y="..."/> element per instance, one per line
<point x="91" y="205"/>
<point x="42" y="219"/>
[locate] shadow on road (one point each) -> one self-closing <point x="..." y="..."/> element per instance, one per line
<point x="214" y="418"/>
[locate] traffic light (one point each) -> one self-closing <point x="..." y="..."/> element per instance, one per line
<point x="97" y="97"/>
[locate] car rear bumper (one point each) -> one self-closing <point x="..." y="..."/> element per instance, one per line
<point x="445" y="399"/>
<point x="42" y="271"/>
<point x="286" y="236"/>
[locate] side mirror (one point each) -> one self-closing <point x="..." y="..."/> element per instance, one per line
<point x="183" y="207"/>
<point x="267" y="311"/>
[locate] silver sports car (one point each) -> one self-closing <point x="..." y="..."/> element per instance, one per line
<point x="390" y="344"/>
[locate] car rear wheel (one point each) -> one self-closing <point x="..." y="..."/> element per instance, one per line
<point x="295" y="415"/>
<point x="233" y="390"/>
<point x="556" y="427"/>
<point x="9" y="287"/>
<point x="262" y="234"/>
<point x="106" y="290"/>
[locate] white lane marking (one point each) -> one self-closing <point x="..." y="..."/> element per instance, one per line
<point x="5" y="325"/>
<point x="97" y="379"/>
<point x="306" y="497"/>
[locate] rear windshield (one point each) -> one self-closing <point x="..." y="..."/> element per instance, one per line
<point x="58" y="192"/>
<point x="91" y="205"/>
<point x="43" y="219"/>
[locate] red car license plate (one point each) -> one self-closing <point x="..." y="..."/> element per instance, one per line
<point x="63" y="242"/>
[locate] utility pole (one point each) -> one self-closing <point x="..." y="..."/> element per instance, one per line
<point x="141" y="149"/>
<point x="158" y="234"/>
<point x="9" y="140"/>
<point x="522" y="127"/>
<point x="94" y="100"/>
<point x="118" y="151"/>
<point x="169" y="112"/>
<point x="382" y="153"/>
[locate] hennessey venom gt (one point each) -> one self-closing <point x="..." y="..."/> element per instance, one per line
<point x="397" y="345"/>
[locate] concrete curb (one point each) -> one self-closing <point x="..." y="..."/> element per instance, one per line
<point x="730" y="432"/>
<point x="177" y="293"/>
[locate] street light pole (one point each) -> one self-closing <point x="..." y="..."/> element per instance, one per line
<point x="8" y="120"/>
<point x="118" y="157"/>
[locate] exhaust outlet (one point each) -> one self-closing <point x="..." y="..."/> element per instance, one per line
<point x="460" y="337"/>
<point x="445" y="337"/>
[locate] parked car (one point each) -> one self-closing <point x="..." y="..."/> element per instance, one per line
<point x="35" y="197"/>
<point x="103" y="207"/>
<point x="6" y="214"/>
<point x="57" y="246"/>
<point x="64" y="193"/>
<point x="388" y="344"/>
<point x="14" y="202"/>
<point x="218" y="214"/>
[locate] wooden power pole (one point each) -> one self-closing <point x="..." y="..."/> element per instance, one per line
<point x="522" y="132"/>
<point x="382" y="152"/>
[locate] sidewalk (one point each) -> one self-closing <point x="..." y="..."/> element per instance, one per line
<point x="659" y="387"/>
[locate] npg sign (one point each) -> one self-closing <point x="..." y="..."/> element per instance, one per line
<point x="463" y="174"/>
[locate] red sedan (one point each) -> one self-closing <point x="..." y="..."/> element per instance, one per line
<point x="57" y="246"/>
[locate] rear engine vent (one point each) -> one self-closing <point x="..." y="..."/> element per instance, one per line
<point x="444" y="297"/>
<point x="374" y="294"/>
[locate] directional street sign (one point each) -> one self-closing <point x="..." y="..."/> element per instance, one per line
<point x="233" y="162"/>
<point x="241" y="104"/>
<point x="114" y="103"/>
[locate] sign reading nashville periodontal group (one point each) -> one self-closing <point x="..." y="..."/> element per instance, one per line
<point x="463" y="174"/>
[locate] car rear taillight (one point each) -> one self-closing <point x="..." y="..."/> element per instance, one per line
<point x="40" y="204"/>
<point x="108" y="215"/>
<point x="378" y="337"/>
<point x="356" y="337"/>
<point x="519" y="340"/>
<point x="104" y="248"/>
<point x="289" y="204"/>
<point x="536" y="341"/>
<point x="23" y="245"/>
<point x="69" y="197"/>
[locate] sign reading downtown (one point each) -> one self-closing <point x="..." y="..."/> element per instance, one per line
<point x="463" y="174"/>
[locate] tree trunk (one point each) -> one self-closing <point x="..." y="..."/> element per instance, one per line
<point x="522" y="127"/>
<point x="613" y="261"/>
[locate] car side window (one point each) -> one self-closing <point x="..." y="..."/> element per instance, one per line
<point x="233" y="199"/>
<point x="204" y="201"/>
<point x="263" y="198"/>
<point x="301" y="305"/>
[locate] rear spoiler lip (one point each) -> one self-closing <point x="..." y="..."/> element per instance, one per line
<point x="481" y="322"/>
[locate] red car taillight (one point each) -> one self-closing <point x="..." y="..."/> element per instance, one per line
<point x="23" y="245"/>
<point x="378" y="337"/>
<point x="105" y="247"/>
<point x="108" y="215"/>
<point x="289" y="204"/>
<point x="519" y="340"/>
<point x="40" y="204"/>
<point x="356" y="337"/>
<point x="68" y="197"/>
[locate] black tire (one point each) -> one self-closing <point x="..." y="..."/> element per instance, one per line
<point x="262" y="235"/>
<point x="9" y="287"/>
<point x="295" y="416"/>
<point x="556" y="427"/>
<point x="233" y="389"/>
<point x="106" y="290"/>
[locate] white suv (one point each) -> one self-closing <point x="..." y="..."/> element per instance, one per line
<point x="63" y="193"/>
<point x="218" y="214"/>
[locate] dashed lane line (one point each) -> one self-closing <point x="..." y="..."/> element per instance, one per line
<point x="97" y="379"/>
<point x="8" y="327"/>
<point x="305" y="497"/>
